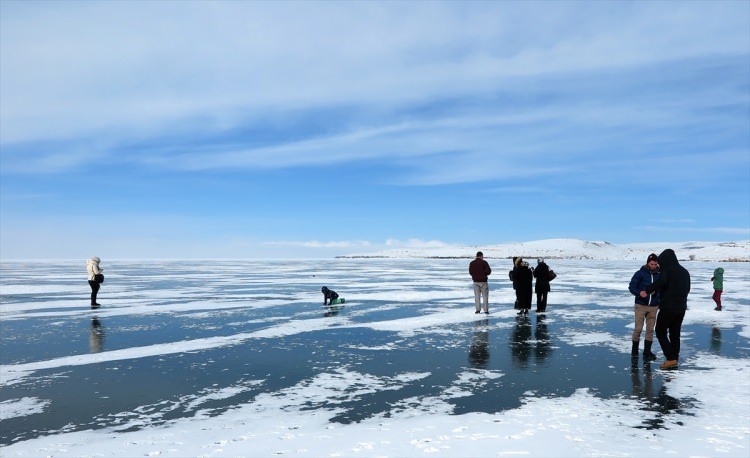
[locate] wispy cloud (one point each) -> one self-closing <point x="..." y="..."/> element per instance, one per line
<point x="677" y="221"/>
<point x="229" y="77"/>
<point x="239" y="117"/>
<point x="415" y="243"/>
<point x="319" y="244"/>
<point x="389" y="243"/>
<point x="743" y="231"/>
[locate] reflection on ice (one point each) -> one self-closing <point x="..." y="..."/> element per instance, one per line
<point x="479" y="353"/>
<point x="96" y="341"/>
<point x="235" y="358"/>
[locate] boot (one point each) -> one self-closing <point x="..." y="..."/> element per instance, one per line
<point x="647" y="355"/>
<point x="669" y="364"/>
<point x="634" y="351"/>
<point x="718" y="308"/>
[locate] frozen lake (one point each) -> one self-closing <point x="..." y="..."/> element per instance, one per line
<point x="239" y="358"/>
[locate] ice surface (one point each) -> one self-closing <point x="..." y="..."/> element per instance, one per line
<point x="238" y="359"/>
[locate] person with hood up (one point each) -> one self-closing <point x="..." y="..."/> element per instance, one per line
<point x="646" y="306"/>
<point x="718" y="280"/>
<point x="93" y="269"/>
<point x="674" y="287"/>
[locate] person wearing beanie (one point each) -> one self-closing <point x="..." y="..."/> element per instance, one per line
<point x="718" y="280"/>
<point x="646" y="306"/>
<point x="479" y="269"/>
<point x="674" y="286"/>
<point x="93" y="269"/>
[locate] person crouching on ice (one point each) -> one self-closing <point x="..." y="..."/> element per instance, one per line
<point x="329" y="296"/>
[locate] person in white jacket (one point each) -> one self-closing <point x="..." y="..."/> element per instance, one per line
<point x="92" y="267"/>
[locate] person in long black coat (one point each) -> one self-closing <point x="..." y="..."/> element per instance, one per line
<point x="674" y="286"/>
<point x="523" y="278"/>
<point x="541" y="287"/>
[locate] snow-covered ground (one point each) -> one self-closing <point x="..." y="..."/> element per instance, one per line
<point x="233" y="358"/>
<point x="578" y="249"/>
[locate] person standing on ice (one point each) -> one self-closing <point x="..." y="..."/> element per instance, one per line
<point x="479" y="269"/>
<point x="646" y="306"/>
<point x="513" y="280"/>
<point x="523" y="277"/>
<point x="674" y="286"/>
<point x="93" y="269"/>
<point x="718" y="280"/>
<point x="541" y="287"/>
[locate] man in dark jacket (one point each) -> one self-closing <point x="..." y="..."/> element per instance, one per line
<point x="646" y="306"/>
<point x="674" y="286"/>
<point x="479" y="269"/>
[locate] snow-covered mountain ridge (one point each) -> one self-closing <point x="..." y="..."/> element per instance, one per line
<point x="577" y="249"/>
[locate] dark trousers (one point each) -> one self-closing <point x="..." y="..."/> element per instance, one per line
<point x="541" y="302"/>
<point x="94" y="290"/>
<point x="668" y="325"/>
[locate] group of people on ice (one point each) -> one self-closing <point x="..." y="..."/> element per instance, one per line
<point x="661" y="287"/>
<point x="522" y="277"/>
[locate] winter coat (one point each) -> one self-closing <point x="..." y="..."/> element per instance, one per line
<point x="92" y="267"/>
<point x="479" y="269"/>
<point x="541" y="273"/>
<point x="329" y="296"/>
<point x="673" y="284"/>
<point x="510" y="272"/>
<point x="718" y="279"/>
<point x="523" y="278"/>
<point x="641" y="280"/>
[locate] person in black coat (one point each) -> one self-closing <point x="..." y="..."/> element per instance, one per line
<point x="674" y="286"/>
<point x="523" y="277"/>
<point x="541" y="287"/>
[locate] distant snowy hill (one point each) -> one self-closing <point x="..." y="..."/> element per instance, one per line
<point x="577" y="249"/>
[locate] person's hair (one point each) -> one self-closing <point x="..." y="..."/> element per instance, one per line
<point x="479" y="253"/>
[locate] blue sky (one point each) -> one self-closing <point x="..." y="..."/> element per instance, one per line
<point x="303" y="129"/>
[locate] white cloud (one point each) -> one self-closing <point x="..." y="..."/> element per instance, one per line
<point x="415" y="243"/>
<point x="390" y="243"/>
<point x="718" y="230"/>
<point x="318" y="244"/>
<point x="677" y="221"/>
<point x="74" y="69"/>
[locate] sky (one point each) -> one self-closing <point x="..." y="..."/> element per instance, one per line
<point x="313" y="129"/>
